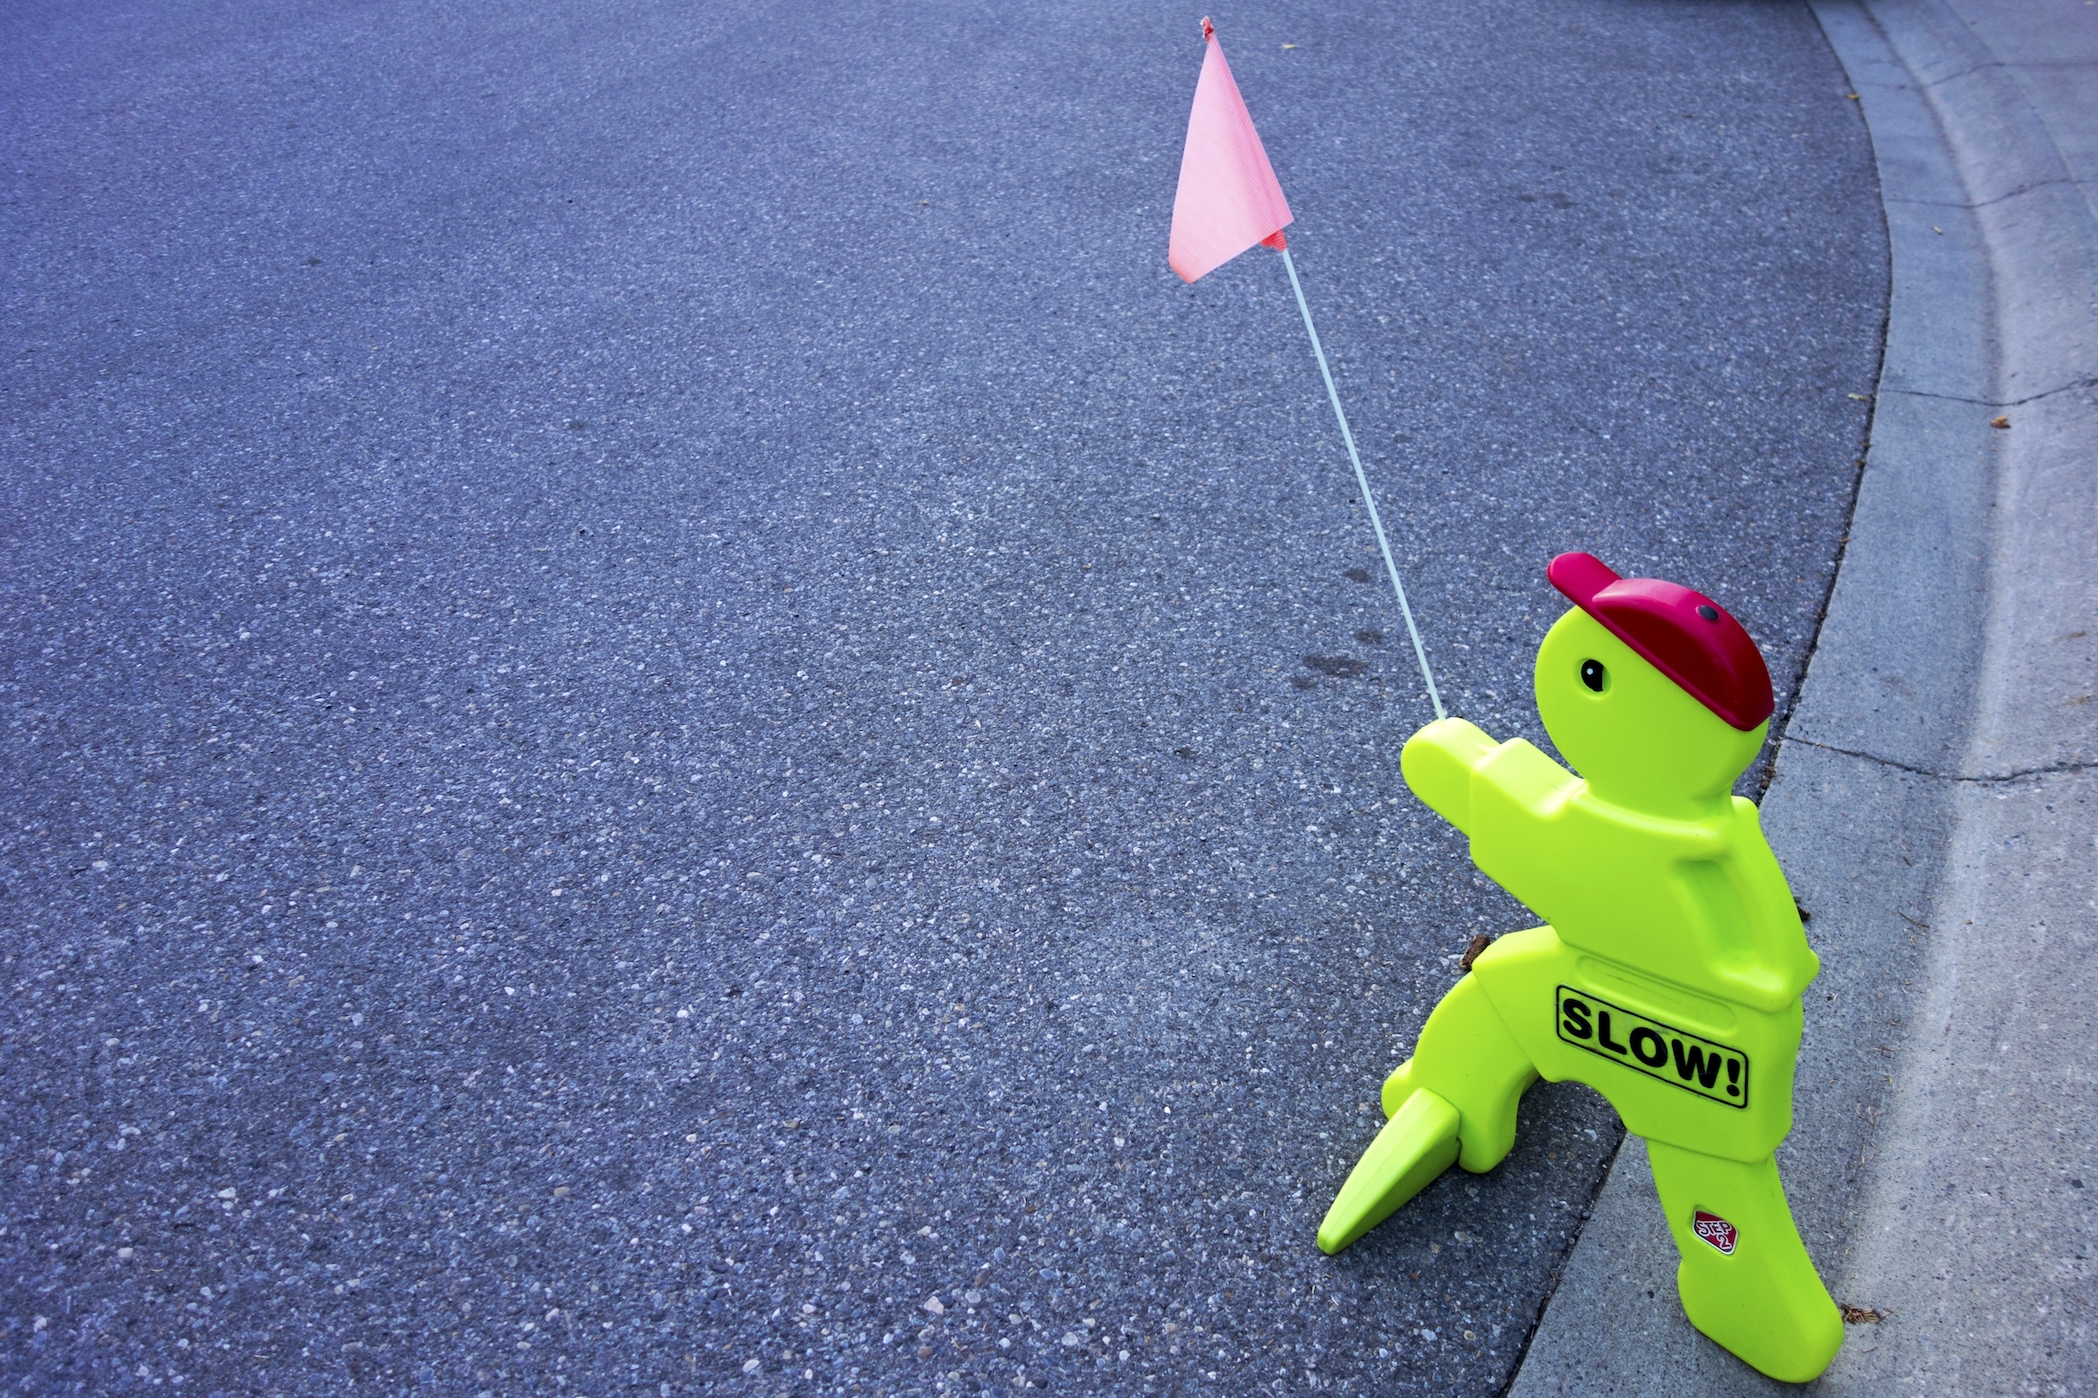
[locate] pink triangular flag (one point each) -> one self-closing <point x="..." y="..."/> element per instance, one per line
<point x="1229" y="198"/>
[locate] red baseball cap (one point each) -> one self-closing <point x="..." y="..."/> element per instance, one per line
<point x="1683" y="634"/>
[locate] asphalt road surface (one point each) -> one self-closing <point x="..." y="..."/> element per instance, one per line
<point x="674" y="722"/>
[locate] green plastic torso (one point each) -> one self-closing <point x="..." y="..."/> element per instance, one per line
<point x="1670" y="975"/>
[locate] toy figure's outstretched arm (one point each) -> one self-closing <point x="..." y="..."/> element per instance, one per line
<point x="1437" y="764"/>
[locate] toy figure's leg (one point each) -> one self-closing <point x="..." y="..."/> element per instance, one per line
<point x="1467" y="1057"/>
<point x="1746" y="1280"/>
<point x="1453" y="1101"/>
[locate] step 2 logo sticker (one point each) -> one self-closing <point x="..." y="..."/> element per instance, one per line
<point x="1716" y="1231"/>
<point x="1648" y="1046"/>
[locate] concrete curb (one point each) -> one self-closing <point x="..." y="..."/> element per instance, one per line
<point x="1935" y="795"/>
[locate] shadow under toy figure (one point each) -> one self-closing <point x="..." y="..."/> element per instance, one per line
<point x="1669" y="977"/>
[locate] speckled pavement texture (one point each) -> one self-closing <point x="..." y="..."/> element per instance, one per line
<point x="674" y="722"/>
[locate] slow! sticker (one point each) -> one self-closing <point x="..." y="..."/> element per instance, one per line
<point x="1648" y="1046"/>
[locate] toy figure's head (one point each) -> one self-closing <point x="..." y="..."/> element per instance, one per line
<point x="1653" y="694"/>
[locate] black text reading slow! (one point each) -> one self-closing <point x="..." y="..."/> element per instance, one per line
<point x="1653" y="1048"/>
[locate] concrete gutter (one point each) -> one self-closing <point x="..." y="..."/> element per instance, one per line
<point x="1935" y="799"/>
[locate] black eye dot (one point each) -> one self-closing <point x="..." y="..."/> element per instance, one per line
<point x="1708" y="613"/>
<point x="1592" y="674"/>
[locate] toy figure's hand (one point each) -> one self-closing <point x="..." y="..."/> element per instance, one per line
<point x="1437" y="763"/>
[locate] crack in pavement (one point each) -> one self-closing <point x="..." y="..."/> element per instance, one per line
<point x="1994" y="778"/>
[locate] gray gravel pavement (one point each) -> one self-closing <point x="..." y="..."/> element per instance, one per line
<point x="675" y="722"/>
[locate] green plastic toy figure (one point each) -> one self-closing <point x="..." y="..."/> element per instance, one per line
<point x="1669" y="976"/>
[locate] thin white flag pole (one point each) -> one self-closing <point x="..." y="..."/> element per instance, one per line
<point x="1369" y="501"/>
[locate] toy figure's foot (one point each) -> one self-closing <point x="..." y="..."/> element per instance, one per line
<point x="1746" y="1279"/>
<point x="1416" y="1145"/>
